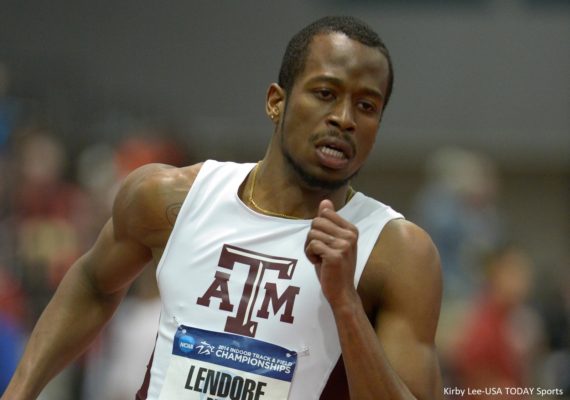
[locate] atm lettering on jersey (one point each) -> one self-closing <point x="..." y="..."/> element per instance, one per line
<point x="276" y="302"/>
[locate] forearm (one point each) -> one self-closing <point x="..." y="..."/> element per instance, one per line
<point x="369" y="373"/>
<point x="72" y="319"/>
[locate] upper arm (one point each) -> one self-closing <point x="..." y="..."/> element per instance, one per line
<point x="113" y="262"/>
<point x="141" y="223"/>
<point x="409" y="305"/>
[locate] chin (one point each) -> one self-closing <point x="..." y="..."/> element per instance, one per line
<point x="313" y="181"/>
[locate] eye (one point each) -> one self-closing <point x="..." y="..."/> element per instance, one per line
<point x="367" y="106"/>
<point x="324" y="94"/>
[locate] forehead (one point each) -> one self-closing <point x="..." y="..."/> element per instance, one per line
<point x="338" y="55"/>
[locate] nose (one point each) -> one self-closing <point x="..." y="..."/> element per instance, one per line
<point x="342" y="116"/>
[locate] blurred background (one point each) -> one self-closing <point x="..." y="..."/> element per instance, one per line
<point x="474" y="147"/>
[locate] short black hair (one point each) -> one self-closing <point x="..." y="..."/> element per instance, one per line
<point x="296" y="52"/>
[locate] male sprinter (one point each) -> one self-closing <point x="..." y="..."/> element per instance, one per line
<point x="278" y="280"/>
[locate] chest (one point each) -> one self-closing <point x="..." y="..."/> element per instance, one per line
<point x="240" y="279"/>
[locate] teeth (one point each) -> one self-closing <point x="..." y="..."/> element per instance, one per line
<point x="332" y="152"/>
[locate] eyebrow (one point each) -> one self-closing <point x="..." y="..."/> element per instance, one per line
<point x="338" y="82"/>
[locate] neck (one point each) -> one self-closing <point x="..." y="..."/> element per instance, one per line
<point x="272" y="189"/>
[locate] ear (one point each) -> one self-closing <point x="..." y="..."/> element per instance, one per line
<point x="274" y="102"/>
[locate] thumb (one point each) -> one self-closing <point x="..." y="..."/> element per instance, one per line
<point x="324" y="205"/>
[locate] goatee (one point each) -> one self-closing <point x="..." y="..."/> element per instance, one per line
<point x="313" y="181"/>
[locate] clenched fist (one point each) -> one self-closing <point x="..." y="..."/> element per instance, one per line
<point x="331" y="247"/>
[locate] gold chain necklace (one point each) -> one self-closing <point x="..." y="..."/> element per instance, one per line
<point x="349" y="196"/>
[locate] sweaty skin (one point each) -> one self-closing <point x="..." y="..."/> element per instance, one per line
<point x="386" y="325"/>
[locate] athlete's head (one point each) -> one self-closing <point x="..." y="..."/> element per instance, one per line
<point x="296" y="52"/>
<point x="328" y="104"/>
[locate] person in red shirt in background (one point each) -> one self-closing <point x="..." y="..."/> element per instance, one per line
<point x="492" y="351"/>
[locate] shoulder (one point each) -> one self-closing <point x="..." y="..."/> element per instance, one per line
<point x="150" y="197"/>
<point x="404" y="265"/>
<point x="403" y="241"/>
<point x="153" y="182"/>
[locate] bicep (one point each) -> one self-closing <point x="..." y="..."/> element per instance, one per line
<point x="113" y="262"/>
<point x="141" y="223"/>
<point x="407" y="319"/>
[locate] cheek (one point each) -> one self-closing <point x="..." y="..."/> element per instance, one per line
<point x="300" y="121"/>
<point x="306" y="108"/>
<point x="368" y="135"/>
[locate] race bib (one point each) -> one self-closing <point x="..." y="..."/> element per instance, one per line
<point x="208" y="365"/>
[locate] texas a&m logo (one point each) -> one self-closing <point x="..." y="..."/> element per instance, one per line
<point x="259" y="265"/>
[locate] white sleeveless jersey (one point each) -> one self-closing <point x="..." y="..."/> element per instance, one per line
<point x="230" y="270"/>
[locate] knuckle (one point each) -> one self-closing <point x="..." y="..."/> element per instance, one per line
<point x="345" y="245"/>
<point x="353" y="235"/>
<point x="317" y="223"/>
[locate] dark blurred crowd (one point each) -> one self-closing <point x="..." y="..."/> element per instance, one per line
<point x="495" y="330"/>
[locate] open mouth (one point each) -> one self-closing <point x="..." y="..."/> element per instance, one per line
<point x="334" y="155"/>
<point x="333" y="152"/>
